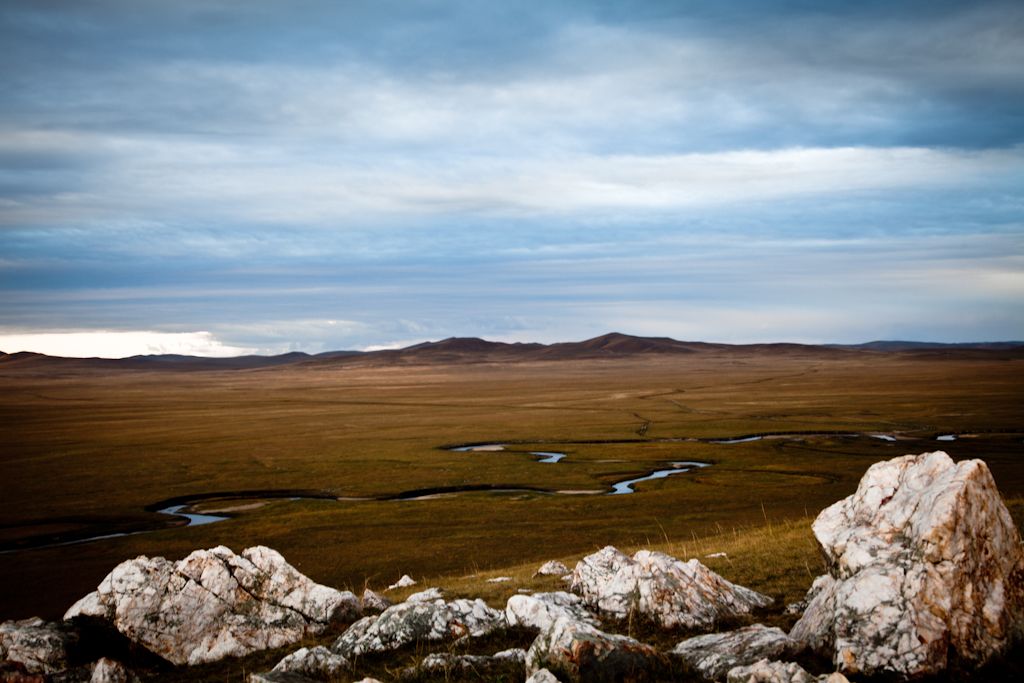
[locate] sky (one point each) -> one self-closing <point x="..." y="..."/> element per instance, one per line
<point x="221" y="177"/>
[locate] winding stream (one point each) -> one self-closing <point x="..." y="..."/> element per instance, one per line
<point x="177" y="506"/>
<point x="624" y="487"/>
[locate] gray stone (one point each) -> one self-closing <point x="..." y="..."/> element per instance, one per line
<point x="713" y="655"/>
<point x="668" y="591"/>
<point x="214" y="604"/>
<point x="552" y="568"/>
<point x="426" y="595"/>
<point x="925" y="567"/>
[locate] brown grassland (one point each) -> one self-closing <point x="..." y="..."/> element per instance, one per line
<point x="86" y="451"/>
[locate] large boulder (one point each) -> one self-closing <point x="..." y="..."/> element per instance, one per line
<point x="540" y="610"/>
<point x="409" y="622"/>
<point x="41" y="647"/>
<point x="667" y="591"/>
<point x="926" y="569"/>
<point x="214" y="604"/>
<point x="582" y="653"/>
<point x="714" y="654"/>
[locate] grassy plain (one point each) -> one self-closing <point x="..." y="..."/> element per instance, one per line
<point x="91" y="450"/>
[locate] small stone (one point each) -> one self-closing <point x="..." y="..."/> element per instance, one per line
<point x="542" y="676"/>
<point x="403" y="582"/>
<point x="110" y="671"/>
<point x="500" y="579"/>
<point x="552" y="568"/>
<point x="428" y="595"/>
<point x="373" y="602"/>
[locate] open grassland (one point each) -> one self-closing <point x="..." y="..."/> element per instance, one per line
<point x="91" y="450"/>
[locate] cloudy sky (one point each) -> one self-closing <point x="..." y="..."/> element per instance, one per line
<point x="221" y="177"/>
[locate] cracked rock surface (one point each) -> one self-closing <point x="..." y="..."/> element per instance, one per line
<point x="714" y="654"/>
<point x="40" y="646"/>
<point x="214" y="604"/>
<point x="584" y="653"/>
<point x="670" y="592"/>
<point x="540" y="610"/>
<point x="926" y="569"/>
<point x="409" y="622"/>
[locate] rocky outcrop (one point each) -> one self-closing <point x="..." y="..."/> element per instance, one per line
<point x="504" y="664"/>
<point x="409" y="622"/>
<point x="667" y="591"/>
<point x="214" y="604"/>
<point x="765" y="671"/>
<point x="925" y="567"/>
<point x="41" y="647"/>
<point x="713" y="655"/>
<point x="552" y="568"/>
<point x="540" y="610"/>
<point x="581" y="652"/>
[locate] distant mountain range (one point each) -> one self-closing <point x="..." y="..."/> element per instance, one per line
<point x="475" y="350"/>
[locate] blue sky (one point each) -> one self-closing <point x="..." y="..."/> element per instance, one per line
<point x="225" y="177"/>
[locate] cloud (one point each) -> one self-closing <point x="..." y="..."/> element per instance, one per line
<point x="106" y="344"/>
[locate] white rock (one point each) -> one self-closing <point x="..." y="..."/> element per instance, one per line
<point x="925" y="564"/>
<point x="500" y="579"/>
<point x="109" y="671"/>
<point x="214" y="604"/>
<point x="715" y="555"/>
<point x="765" y="671"/>
<point x="373" y="602"/>
<point x="583" y="652"/>
<point x="540" y="610"/>
<point x="317" y="662"/>
<point x="542" y="676"/>
<point x="408" y="622"/>
<point x="552" y="568"/>
<point x="403" y="582"/>
<point x="40" y="646"/>
<point x="428" y="595"/>
<point x="714" y="654"/>
<point x="670" y="592"/>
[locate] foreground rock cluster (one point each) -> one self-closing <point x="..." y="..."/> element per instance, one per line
<point x="926" y="572"/>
